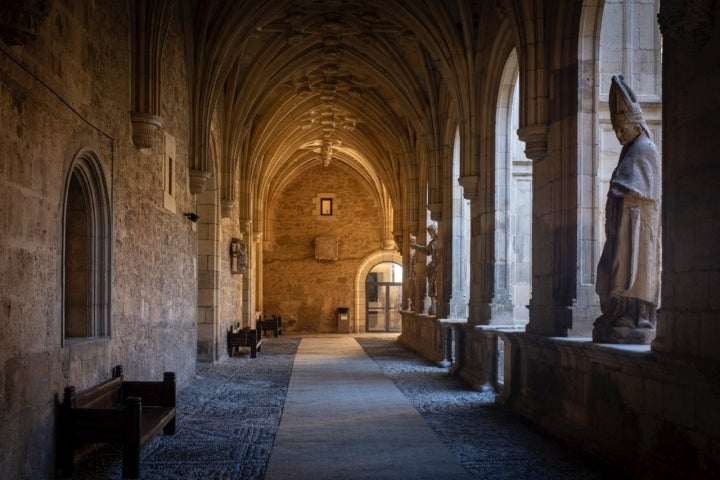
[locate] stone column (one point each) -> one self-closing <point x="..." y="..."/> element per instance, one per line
<point x="208" y="265"/>
<point x="248" y="284"/>
<point x="689" y="320"/>
<point x="258" y="269"/>
<point x="470" y="184"/>
<point x="149" y="28"/>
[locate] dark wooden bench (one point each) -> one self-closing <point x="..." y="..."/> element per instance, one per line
<point x="238" y="336"/>
<point x="116" y="411"/>
<point x="274" y="324"/>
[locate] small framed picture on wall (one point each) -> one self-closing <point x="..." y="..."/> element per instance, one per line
<point x="326" y="206"/>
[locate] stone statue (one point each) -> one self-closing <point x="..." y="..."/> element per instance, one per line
<point x="628" y="273"/>
<point x="412" y="287"/>
<point x="430" y="250"/>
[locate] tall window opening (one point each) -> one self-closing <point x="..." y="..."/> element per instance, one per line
<point x="86" y="252"/>
<point x="626" y="41"/>
<point x="461" y="242"/>
<point x="513" y="199"/>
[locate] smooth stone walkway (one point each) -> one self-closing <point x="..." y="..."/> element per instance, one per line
<point x="344" y="419"/>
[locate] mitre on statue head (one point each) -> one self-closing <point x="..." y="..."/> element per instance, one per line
<point x="624" y="107"/>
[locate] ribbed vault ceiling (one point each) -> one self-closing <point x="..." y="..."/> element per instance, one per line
<point x="300" y="83"/>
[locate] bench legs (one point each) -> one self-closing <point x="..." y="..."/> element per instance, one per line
<point x="66" y="454"/>
<point x="131" y="442"/>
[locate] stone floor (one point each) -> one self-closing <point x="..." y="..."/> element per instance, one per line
<point x="229" y="415"/>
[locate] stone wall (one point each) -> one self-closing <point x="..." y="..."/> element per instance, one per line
<point x="70" y="89"/>
<point x="306" y="291"/>
<point x="425" y="335"/>
<point x="653" y="414"/>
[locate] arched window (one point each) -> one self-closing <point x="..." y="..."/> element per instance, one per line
<point x="513" y="199"/>
<point x="618" y="37"/>
<point x="461" y="241"/>
<point x="86" y="251"/>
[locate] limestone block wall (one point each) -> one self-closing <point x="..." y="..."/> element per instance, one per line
<point x="425" y="335"/>
<point x="653" y="414"/>
<point x="230" y="303"/>
<point x="306" y="291"/>
<point x="70" y="89"/>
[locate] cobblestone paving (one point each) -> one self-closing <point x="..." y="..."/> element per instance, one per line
<point x="229" y="414"/>
<point x="491" y="443"/>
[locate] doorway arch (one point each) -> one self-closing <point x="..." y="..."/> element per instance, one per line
<point x="358" y="318"/>
<point x="383" y="298"/>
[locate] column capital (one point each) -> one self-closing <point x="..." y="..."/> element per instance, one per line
<point x="471" y="186"/>
<point x="198" y="181"/>
<point x="535" y="138"/>
<point x="227" y="207"/>
<point x="144" y="126"/>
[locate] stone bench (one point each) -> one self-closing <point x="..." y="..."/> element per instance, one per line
<point x="116" y="411"/>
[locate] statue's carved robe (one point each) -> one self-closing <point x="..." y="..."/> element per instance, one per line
<point x="630" y="261"/>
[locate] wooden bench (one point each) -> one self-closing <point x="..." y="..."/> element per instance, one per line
<point x="237" y="337"/>
<point x="274" y="324"/>
<point x="116" y="411"/>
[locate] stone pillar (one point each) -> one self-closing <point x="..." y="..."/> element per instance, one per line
<point x="470" y="184"/>
<point x="258" y="269"/>
<point x="248" y="285"/>
<point x="208" y="265"/>
<point x="149" y="28"/>
<point x="689" y="320"/>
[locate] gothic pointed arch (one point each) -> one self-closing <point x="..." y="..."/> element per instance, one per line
<point x="86" y="250"/>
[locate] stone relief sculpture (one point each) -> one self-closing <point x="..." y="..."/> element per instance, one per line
<point x="628" y="273"/>
<point x="431" y="251"/>
<point x="238" y="256"/>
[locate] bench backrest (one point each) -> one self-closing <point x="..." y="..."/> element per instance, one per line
<point x="105" y="395"/>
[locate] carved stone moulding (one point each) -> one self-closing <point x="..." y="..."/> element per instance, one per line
<point x="535" y="138"/>
<point x="436" y="210"/>
<point x="198" y="181"/>
<point x="144" y="126"/>
<point x="471" y="186"/>
<point x="227" y="207"/>
<point x="20" y="20"/>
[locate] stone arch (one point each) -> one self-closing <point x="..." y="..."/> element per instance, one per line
<point x="513" y="199"/>
<point x="86" y="249"/>
<point x="358" y="317"/>
<point x="600" y="57"/>
<point x="209" y="337"/>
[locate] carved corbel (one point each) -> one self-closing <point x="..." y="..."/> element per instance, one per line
<point x="151" y="20"/>
<point x="435" y="211"/>
<point x="198" y="181"/>
<point x="227" y="207"/>
<point x="144" y="126"/>
<point x="470" y="185"/>
<point x="535" y="138"/>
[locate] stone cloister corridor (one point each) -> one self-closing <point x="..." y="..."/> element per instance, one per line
<point x="172" y="171"/>
<point x="385" y="440"/>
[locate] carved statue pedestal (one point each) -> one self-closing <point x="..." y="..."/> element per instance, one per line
<point x="610" y="331"/>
